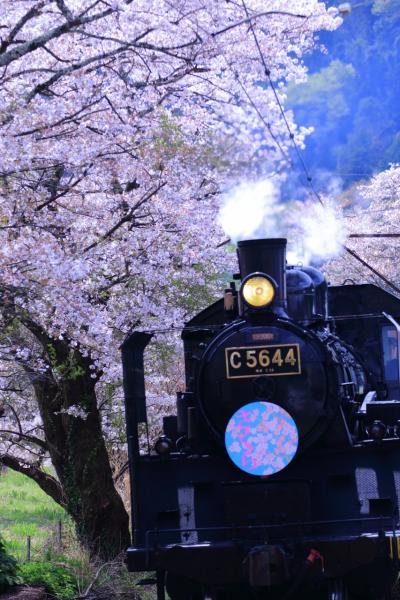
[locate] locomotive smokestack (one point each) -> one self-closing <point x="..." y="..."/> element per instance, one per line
<point x="265" y="256"/>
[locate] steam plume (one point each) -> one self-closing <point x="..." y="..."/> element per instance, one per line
<point x="253" y="210"/>
<point x="318" y="233"/>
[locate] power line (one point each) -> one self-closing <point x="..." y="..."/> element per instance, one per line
<point x="377" y="273"/>
<point x="374" y="235"/>
<point x="264" y="121"/>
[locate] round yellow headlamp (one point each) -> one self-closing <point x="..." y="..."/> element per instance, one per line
<point x="258" y="291"/>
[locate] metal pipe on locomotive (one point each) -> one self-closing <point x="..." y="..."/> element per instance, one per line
<point x="279" y="475"/>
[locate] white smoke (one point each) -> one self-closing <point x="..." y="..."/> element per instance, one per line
<point x="318" y="233"/>
<point x="253" y="210"/>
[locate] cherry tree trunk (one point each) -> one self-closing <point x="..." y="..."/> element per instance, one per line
<point x="78" y="453"/>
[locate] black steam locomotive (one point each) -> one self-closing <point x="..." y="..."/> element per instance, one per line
<point x="279" y="476"/>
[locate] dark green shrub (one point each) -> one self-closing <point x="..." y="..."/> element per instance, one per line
<point x="8" y="569"/>
<point x="58" y="580"/>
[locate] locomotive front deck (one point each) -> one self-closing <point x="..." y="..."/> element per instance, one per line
<point x="216" y="528"/>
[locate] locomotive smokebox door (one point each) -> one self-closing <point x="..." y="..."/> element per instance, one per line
<point x="261" y="438"/>
<point x="246" y="361"/>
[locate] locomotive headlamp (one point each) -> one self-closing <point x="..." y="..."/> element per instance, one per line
<point x="258" y="291"/>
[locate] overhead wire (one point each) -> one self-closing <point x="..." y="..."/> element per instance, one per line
<point x="264" y="121"/>
<point x="374" y="235"/>
<point x="372" y="269"/>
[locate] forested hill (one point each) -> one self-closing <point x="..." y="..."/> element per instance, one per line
<point x="352" y="97"/>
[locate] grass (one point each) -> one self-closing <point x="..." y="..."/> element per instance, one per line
<point x="25" y="510"/>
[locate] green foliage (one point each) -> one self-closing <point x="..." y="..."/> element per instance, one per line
<point x="69" y="369"/>
<point x="323" y="84"/>
<point x="351" y="97"/>
<point x="56" y="578"/>
<point x="170" y="141"/>
<point x="8" y="569"/>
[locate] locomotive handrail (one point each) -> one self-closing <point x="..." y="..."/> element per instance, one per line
<point x="357" y="316"/>
<point x="369" y="397"/>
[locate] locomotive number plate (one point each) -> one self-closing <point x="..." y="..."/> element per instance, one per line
<point x="250" y="361"/>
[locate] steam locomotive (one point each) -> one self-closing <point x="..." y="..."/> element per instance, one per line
<point x="279" y="475"/>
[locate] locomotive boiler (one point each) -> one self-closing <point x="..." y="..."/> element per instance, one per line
<point x="279" y="475"/>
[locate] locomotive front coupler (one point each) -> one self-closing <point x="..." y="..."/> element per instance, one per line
<point x="267" y="565"/>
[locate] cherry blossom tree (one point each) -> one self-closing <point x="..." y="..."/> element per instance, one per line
<point x="370" y="216"/>
<point x="121" y="123"/>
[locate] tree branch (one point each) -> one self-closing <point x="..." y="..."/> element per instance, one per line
<point x="65" y="10"/>
<point x="49" y="484"/>
<point x="256" y="16"/>
<point x="41" y="40"/>
<point x="121" y="471"/>
<point x="32" y="12"/>
<point x="126" y="218"/>
<point x="29" y="438"/>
